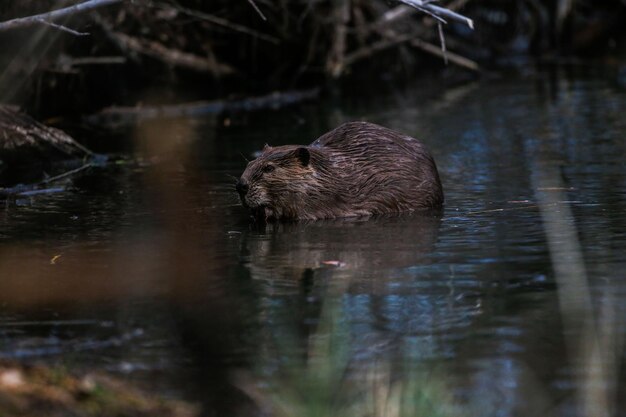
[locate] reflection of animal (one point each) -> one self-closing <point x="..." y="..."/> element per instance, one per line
<point x="380" y="250"/>
<point x="356" y="169"/>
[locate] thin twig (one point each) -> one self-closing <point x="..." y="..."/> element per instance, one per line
<point x="69" y="61"/>
<point x="257" y="9"/>
<point x="456" y="59"/>
<point x="55" y="14"/>
<point x="374" y="48"/>
<point x="440" y="13"/>
<point x="65" y="174"/>
<point x="63" y="28"/>
<point x="442" y="42"/>
<point x="217" y="21"/>
<point x="35" y="189"/>
<point x="402" y="11"/>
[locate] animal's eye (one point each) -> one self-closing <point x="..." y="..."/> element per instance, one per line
<point x="268" y="168"/>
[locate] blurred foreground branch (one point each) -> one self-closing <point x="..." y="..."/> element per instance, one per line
<point x="592" y="340"/>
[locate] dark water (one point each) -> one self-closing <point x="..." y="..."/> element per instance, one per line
<point x="516" y="295"/>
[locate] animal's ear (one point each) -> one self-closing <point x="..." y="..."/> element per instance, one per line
<point x="304" y="156"/>
<point x="266" y="147"/>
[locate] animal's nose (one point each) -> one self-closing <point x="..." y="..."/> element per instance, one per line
<point x="242" y="187"/>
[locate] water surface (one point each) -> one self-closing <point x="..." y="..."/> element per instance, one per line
<point x="151" y="270"/>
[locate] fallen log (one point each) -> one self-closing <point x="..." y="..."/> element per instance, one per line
<point x="122" y="116"/>
<point x="29" y="146"/>
<point x="133" y="46"/>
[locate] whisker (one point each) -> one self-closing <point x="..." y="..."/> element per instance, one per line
<point x="231" y="179"/>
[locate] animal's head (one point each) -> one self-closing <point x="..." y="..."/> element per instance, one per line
<point x="275" y="184"/>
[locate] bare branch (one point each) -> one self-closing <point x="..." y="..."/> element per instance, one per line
<point x="402" y="11"/>
<point x="393" y="38"/>
<point x="55" y="14"/>
<point x="439" y="13"/>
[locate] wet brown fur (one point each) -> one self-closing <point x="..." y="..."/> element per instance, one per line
<point x="357" y="169"/>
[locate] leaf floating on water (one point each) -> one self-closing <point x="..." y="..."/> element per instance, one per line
<point x="338" y="264"/>
<point x="11" y="378"/>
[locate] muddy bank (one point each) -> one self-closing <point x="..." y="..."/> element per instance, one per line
<point x="56" y="392"/>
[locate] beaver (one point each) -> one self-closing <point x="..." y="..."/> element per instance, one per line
<point x="357" y="169"/>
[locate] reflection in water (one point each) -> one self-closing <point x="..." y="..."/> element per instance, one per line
<point x="154" y="272"/>
<point x="364" y="246"/>
<point x="377" y="266"/>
